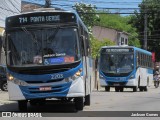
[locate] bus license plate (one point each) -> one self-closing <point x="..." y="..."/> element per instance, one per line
<point x="116" y="84"/>
<point x="45" y="88"/>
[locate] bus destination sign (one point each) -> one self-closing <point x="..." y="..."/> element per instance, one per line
<point x="117" y="50"/>
<point x="40" y="18"/>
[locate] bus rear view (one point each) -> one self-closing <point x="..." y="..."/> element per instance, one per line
<point x="119" y="68"/>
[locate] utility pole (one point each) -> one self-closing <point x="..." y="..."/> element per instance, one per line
<point x="145" y="30"/>
<point x="47" y="4"/>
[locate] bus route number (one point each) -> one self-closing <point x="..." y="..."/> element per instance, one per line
<point x="23" y="20"/>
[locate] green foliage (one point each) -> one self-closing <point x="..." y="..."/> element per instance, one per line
<point x="120" y="23"/>
<point x="84" y="11"/>
<point x="96" y="45"/>
<point x="151" y="7"/>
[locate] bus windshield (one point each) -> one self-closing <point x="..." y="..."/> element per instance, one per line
<point x="49" y="46"/>
<point x="116" y="64"/>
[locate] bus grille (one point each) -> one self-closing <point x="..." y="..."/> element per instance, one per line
<point x="53" y="89"/>
<point x="120" y="83"/>
<point x="48" y="81"/>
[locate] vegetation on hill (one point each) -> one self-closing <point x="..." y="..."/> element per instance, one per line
<point x="90" y="17"/>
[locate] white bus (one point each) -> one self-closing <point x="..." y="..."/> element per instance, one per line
<point x="125" y="67"/>
<point x="48" y="56"/>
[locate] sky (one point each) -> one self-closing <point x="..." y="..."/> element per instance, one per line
<point x="8" y="8"/>
<point x="99" y="3"/>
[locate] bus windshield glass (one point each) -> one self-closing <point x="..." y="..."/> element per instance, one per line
<point x="116" y="63"/>
<point x="49" y="46"/>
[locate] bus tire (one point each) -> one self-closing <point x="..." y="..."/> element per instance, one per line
<point x="145" y="88"/>
<point x="87" y="100"/>
<point x="33" y="102"/>
<point x="135" y="89"/>
<point x="107" y="88"/>
<point x="121" y="89"/>
<point x="36" y="102"/>
<point x="4" y="86"/>
<point x="117" y="89"/>
<point x="79" y="104"/>
<point x="140" y="89"/>
<point x="22" y="105"/>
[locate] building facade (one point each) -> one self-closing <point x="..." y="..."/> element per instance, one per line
<point x="119" y="37"/>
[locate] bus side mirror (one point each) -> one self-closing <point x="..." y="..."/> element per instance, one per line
<point x="4" y="40"/>
<point x="82" y="37"/>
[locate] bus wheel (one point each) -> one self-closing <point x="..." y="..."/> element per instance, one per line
<point x="117" y="89"/>
<point x="33" y="102"/>
<point x="140" y="89"/>
<point x="22" y="105"/>
<point x="121" y="89"/>
<point x="145" y="88"/>
<point x="79" y="103"/>
<point x="87" y="100"/>
<point x="4" y="86"/>
<point x="135" y="89"/>
<point x="107" y="88"/>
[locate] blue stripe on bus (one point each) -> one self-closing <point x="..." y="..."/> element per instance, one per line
<point x="150" y="71"/>
<point x="44" y="77"/>
<point x="60" y="90"/>
<point x="118" y="79"/>
<point x="32" y="92"/>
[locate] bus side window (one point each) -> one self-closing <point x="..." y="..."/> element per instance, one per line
<point x="137" y="55"/>
<point x="81" y="40"/>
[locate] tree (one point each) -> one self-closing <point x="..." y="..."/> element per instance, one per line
<point x="84" y="11"/>
<point x="151" y="8"/>
<point x="96" y="45"/>
<point x="47" y="4"/>
<point x="120" y="23"/>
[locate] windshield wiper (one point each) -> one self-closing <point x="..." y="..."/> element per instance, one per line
<point x="53" y="35"/>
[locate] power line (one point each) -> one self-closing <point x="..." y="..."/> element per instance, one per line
<point x="14" y="6"/>
<point x="9" y="10"/>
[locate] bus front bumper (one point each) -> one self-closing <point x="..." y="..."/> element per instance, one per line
<point x="70" y="89"/>
<point x="129" y="83"/>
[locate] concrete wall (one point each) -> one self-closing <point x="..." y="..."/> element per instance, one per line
<point x="101" y="32"/>
<point x="117" y="36"/>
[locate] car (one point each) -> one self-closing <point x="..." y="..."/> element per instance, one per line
<point x="3" y="78"/>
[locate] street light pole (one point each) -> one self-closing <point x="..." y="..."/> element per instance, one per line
<point x="145" y="31"/>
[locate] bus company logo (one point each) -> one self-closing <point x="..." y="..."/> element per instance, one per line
<point x="56" y="76"/>
<point x="6" y="114"/>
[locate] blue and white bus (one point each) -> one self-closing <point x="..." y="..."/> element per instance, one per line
<point x="125" y="67"/>
<point x="48" y="56"/>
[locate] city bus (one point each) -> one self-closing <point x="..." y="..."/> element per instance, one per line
<point x="48" y="57"/>
<point x="125" y="67"/>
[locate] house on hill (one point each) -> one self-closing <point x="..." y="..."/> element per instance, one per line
<point x="119" y="37"/>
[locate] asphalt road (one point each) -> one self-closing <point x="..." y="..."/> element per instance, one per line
<point x="100" y="101"/>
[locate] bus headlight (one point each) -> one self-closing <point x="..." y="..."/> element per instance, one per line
<point x="19" y="82"/>
<point x="10" y="77"/>
<point x="132" y="76"/>
<point x="75" y="76"/>
<point x="101" y="77"/>
<point x="79" y="72"/>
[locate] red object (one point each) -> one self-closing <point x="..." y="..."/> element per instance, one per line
<point x="68" y="59"/>
<point x="153" y="57"/>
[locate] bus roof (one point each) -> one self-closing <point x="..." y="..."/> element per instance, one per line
<point x="126" y="46"/>
<point x="48" y="11"/>
<point x="43" y="10"/>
